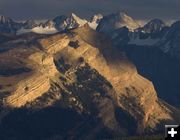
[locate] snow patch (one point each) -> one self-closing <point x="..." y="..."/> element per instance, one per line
<point x="38" y="30"/>
<point x="93" y="25"/>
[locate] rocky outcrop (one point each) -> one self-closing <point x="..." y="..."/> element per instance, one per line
<point x="28" y="90"/>
<point x="37" y="81"/>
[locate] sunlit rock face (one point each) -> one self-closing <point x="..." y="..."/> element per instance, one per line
<point x="95" y="20"/>
<point x="82" y="72"/>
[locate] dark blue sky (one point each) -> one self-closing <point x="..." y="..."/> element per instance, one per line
<point x="43" y="9"/>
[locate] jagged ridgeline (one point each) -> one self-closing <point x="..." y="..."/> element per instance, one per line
<point x="51" y="26"/>
<point x="75" y="85"/>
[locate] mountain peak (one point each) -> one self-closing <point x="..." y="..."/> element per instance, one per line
<point x="122" y="14"/>
<point x="74" y="15"/>
<point x="63" y="22"/>
<point x="176" y="24"/>
<point x="157" y="21"/>
<point x="115" y="21"/>
<point x="29" y="24"/>
<point x="154" y="25"/>
<point x="96" y="18"/>
<point x="60" y="18"/>
<point x="4" y="19"/>
<point x="78" y="20"/>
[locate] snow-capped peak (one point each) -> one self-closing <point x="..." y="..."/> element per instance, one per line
<point x="115" y="21"/>
<point x="96" y="18"/>
<point x="78" y="20"/>
<point x="29" y="24"/>
<point x="59" y="23"/>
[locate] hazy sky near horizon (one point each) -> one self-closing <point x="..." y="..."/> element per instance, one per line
<point x="44" y="9"/>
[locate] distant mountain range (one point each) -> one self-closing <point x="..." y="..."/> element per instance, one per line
<point x="153" y="32"/>
<point x="59" y="23"/>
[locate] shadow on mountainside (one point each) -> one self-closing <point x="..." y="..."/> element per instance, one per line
<point x="160" y="68"/>
<point x="49" y="123"/>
